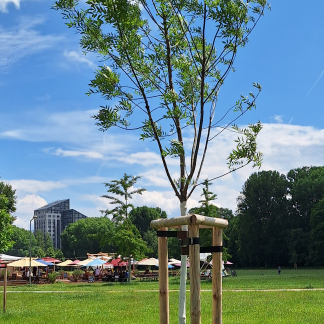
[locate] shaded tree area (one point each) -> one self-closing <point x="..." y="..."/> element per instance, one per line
<point x="141" y="217"/>
<point x="89" y="235"/>
<point x="280" y="219"/>
<point x="41" y="245"/>
<point x="92" y="235"/>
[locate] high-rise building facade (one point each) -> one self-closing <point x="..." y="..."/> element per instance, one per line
<point x="54" y="217"/>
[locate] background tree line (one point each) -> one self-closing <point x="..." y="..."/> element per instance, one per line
<point x="279" y="221"/>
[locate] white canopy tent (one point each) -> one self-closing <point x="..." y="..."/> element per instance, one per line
<point x="5" y="258"/>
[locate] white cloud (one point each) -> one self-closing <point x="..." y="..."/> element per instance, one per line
<point x="278" y="118"/>
<point x="155" y="177"/>
<point x="143" y="158"/>
<point x="76" y="57"/>
<point x="284" y="147"/>
<point x="34" y="186"/>
<point x="23" y="186"/>
<point x="25" y="209"/>
<point x="4" y="3"/>
<point x="24" y="40"/>
<point x="86" y="154"/>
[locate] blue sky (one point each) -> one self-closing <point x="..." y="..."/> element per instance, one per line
<point x="51" y="148"/>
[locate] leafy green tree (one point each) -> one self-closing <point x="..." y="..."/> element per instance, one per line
<point x="7" y="206"/>
<point x="50" y="252"/>
<point x="48" y="243"/>
<point x="165" y="62"/>
<point x="88" y="235"/>
<point x="316" y="254"/>
<point x="39" y="236"/>
<point x="151" y="240"/>
<point x="6" y="229"/>
<point x="7" y="191"/>
<point x="232" y="243"/>
<point x="263" y="220"/>
<point x="38" y="252"/>
<point x="141" y="217"/>
<point x="21" y="238"/>
<point x="59" y="255"/>
<point x="306" y="189"/>
<point x="128" y="241"/>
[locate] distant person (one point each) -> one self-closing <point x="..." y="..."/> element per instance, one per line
<point x="116" y="275"/>
<point x="97" y="273"/>
<point x="279" y="270"/>
<point x="34" y="271"/>
<point x="295" y="266"/>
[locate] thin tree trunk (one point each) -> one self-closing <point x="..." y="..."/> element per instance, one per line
<point x="183" y="273"/>
<point x="5" y="289"/>
<point x="129" y="269"/>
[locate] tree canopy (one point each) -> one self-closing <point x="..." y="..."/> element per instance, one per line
<point x="88" y="235"/>
<point x="164" y="65"/>
<point x="7" y="191"/>
<point x="279" y="219"/>
<point x="7" y="206"/>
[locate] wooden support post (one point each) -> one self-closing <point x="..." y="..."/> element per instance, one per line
<point x="217" y="277"/>
<point x="195" y="303"/>
<point x="5" y="289"/>
<point x="163" y="278"/>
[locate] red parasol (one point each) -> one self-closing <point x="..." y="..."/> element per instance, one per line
<point x="123" y="264"/>
<point x="115" y="262"/>
<point x="49" y="259"/>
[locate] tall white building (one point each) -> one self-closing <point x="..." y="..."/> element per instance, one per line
<point x="54" y="217"/>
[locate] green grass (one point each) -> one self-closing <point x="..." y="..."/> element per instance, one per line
<point x="139" y="302"/>
<point x="269" y="279"/>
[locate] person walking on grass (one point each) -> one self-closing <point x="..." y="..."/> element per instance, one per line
<point x="279" y="270"/>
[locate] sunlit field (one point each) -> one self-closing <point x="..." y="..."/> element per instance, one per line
<point x="254" y="296"/>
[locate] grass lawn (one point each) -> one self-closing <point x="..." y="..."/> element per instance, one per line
<point x="138" y="303"/>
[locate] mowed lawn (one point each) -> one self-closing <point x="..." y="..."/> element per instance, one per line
<point x="254" y="296"/>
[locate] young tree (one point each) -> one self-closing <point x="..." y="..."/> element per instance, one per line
<point x="122" y="188"/>
<point x="165" y="62"/>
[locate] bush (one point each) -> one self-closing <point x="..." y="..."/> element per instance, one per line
<point x="52" y="277"/>
<point x="77" y="274"/>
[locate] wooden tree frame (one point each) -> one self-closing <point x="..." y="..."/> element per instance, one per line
<point x="194" y="222"/>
